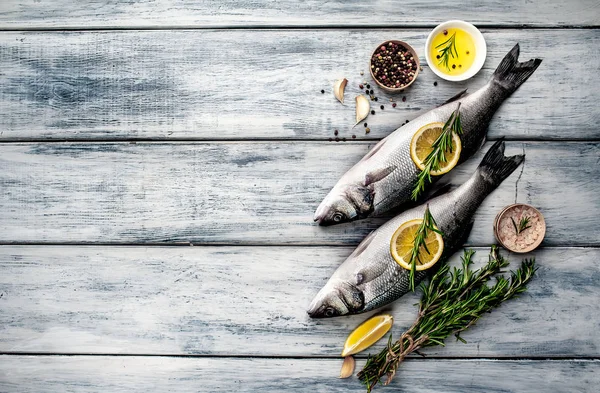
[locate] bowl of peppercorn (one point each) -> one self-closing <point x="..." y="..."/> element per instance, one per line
<point x="394" y="65"/>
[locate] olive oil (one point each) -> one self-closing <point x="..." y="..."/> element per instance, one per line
<point x="452" y="51"/>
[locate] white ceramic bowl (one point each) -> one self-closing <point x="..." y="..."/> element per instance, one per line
<point x="480" y="49"/>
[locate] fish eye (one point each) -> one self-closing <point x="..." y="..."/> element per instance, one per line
<point x="329" y="312"/>
<point x="337" y="217"/>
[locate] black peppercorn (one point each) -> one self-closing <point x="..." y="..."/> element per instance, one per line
<point x="335" y="132"/>
<point x="372" y="112"/>
<point x="394" y="105"/>
<point x="322" y="91"/>
<point x="381" y="107"/>
<point x="435" y="83"/>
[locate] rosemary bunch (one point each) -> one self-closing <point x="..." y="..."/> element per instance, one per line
<point x="447" y="49"/>
<point x="451" y="302"/>
<point x="427" y="225"/>
<point x="437" y="156"/>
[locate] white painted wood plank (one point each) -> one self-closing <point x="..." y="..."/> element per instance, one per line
<point x="252" y="301"/>
<point x="266" y="84"/>
<point x="189" y="13"/>
<point x="251" y="193"/>
<point x="159" y="374"/>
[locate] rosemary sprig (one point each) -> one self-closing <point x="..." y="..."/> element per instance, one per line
<point x="451" y="302"/>
<point x="427" y="225"/>
<point x="448" y="49"/>
<point x="437" y="156"/>
<point x="523" y="224"/>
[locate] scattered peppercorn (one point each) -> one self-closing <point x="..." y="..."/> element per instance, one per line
<point x="337" y="139"/>
<point x="445" y="32"/>
<point x="365" y="124"/>
<point x="394" y="105"/>
<point x="437" y="56"/>
<point x="368" y="86"/>
<point x="382" y="107"/>
<point x="371" y="92"/>
<point x="344" y="139"/>
<point x="407" y="121"/>
<point x="367" y="130"/>
<point x="467" y="52"/>
<point x="353" y="136"/>
<point x="335" y="132"/>
<point x="376" y="99"/>
<point x="372" y="112"/>
<point x="404" y="99"/>
<point x="435" y="83"/>
<point x="460" y="66"/>
<point x="322" y="91"/>
<point x="453" y="66"/>
<point x="362" y="73"/>
<point x="330" y="139"/>
<point x="361" y="86"/>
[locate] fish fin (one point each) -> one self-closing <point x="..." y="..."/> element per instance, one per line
<point x="455" y="97"/>
<point x="495" y="166"/>
<point x="374" y="150"/>
<point x="364" y="244"/>
<point x="439" y="190"/>
<point x="511" y="74"/>
<point x="377" y="175"/>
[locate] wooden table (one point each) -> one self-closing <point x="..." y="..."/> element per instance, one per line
<point x="161" y="162"/>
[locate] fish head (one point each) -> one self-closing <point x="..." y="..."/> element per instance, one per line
<point x="335" y="299"/>
<point x="344" y="204"/>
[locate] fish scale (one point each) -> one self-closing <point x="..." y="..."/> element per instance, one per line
<point x="385" y="177"/>
<point x="370" y="278"/>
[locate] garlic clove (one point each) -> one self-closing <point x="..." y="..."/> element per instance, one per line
<point x="362" y="108"/>
<point x="347" y="367"/>
<point x="338" y="89"/>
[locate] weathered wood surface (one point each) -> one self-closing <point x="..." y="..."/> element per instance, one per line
<point x="237" y="84"/>
<point x="251" y="193"/>
<point x="252" y="301"/>
<point x="190" y="13"/>
<point x="161" y="374"/>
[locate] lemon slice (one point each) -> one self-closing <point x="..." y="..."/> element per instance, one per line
<point x="403" y="241"/>
<point x="367" y="334"/>
<point x="420" y="147"/>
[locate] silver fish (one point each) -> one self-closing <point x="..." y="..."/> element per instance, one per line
<point x="370" y="278"/>
<point x="385" y="177"/>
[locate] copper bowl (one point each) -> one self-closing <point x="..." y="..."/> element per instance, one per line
<point x="415" y="57"/>
<point x="541" y="230"/>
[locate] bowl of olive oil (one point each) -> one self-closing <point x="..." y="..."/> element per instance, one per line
<point x="455" y="50"/>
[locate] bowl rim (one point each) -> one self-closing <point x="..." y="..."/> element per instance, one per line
<point x="480" y="46"/>
<point x="415" y="56"/>
<point x="531" y="247"/>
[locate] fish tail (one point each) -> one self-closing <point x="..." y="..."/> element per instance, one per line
<point x="495" y="166"/>
<point x="511" y="74"/>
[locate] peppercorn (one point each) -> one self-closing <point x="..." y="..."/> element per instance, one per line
<point x="322" y="91"/>
<point x="371" y="92"/>
<point x="445" y="32"/>
<point x="337" y="139"/>
<point x="376" y="99"/>
<point x="365" y="124"/>
<point x="381" y="107"/>
<point x="367" y="130"/>
<point x="330" y="139"/>
<point x="435" y="83"/>
<point x="453" y="66"/>
<point x="372" y="112"/>
<point x="353" y="136"/>
<point x="404" y="99"/>
<point x="394" y="105"/>
<point x="335" y="132"/>
<point x="344" y="139"/>
<point x="368" y="86"/>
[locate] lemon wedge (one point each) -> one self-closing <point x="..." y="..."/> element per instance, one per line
<point x="403" y="241"/>
<point x="420" y="147"/>
<point x="367" y="334"/>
